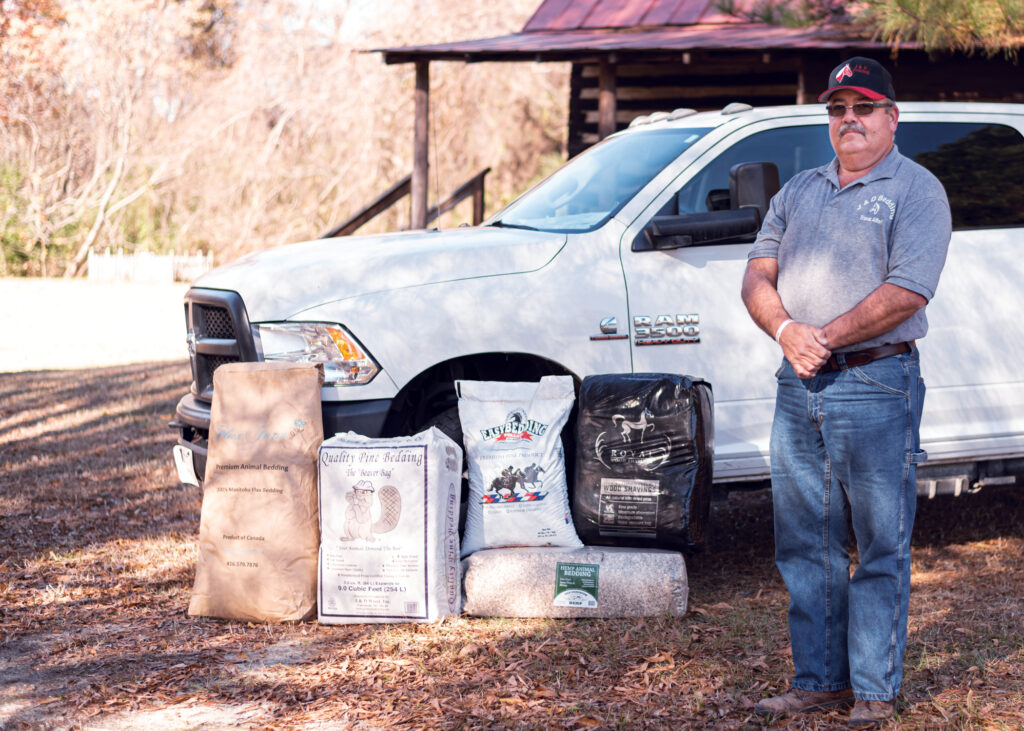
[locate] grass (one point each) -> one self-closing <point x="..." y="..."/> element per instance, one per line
<point x="99" y="552"/>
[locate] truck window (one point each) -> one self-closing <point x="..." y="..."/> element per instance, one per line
<point x="980" y="165"/>
<point x="791" y="148"/>
<point x="592" y="187"/>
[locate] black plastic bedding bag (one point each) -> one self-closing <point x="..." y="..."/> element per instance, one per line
<point x="644" y="450"/>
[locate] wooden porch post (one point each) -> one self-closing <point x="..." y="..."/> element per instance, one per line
<point x="421" y="138"/>
<point x="606" y="105"/>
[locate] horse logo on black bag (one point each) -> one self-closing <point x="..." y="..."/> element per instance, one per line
<point x="637" y="443"/>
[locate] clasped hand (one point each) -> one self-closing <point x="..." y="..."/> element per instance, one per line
<point x="805" y="347"/>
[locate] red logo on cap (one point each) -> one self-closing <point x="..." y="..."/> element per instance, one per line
<point x="844" y="73"/>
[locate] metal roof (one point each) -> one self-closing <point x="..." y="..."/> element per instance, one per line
<point x="580" y="14"/>
<point x="563" y="30"/>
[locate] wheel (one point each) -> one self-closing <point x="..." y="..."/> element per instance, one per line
<point x="448" y="422"/>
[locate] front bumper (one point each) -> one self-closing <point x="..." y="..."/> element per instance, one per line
<point x="192" y="420"/>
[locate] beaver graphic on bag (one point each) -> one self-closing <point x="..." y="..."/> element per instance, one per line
<point x="361" y="501"/>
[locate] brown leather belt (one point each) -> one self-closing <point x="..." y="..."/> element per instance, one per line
<point x="857" y="358"/>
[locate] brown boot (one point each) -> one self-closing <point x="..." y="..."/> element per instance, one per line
<point x="866" y="714"/>
<point x="803" y="701"/>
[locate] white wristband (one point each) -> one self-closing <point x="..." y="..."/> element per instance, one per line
<point x="778" y="333"/>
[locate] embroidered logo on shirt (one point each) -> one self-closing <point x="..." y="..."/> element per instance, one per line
<point x="872" y="209"/>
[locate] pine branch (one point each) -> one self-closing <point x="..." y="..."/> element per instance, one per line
<point x="967" y="26"/>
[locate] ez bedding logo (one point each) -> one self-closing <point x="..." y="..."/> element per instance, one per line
<point x="870" y="209"/>
<point x="517" y="428"/>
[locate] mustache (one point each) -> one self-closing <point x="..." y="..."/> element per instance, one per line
<point x="852" y="127"/>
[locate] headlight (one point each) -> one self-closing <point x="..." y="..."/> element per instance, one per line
<point x="345" y="362"/>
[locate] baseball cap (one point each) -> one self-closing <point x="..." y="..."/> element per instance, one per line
<point x="864" y="75"/>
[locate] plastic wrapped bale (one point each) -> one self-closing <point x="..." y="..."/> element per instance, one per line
<point x="575" y="582"/>
<point x="389" y="511"/>
<point x="644" y="452"/>
<point x="518" y="495"/>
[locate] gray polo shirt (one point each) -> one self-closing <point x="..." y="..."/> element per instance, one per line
<point x="836" y="246"/>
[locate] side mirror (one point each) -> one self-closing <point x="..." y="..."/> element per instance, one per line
<point x="699" y="229"/>
<point x="718" y="200"/>
<point x="752" y="184"/>
<point x="734" y="217"/>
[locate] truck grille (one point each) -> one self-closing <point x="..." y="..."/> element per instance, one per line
<point x="215" y="321"/>
<point x="218" y="333"/>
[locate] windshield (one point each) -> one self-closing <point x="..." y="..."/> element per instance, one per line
<point x="592" y="187"/>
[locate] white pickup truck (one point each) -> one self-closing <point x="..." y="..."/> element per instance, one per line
<point x="629" y="259"/>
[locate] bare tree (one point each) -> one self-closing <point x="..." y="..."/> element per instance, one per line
<point x="230" y="126"/>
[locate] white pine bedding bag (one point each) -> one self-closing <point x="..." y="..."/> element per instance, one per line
<point x="517" y="489"/>
<point x="389" y="533"/>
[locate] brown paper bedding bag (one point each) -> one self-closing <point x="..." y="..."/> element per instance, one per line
<point x="258" y="530"/>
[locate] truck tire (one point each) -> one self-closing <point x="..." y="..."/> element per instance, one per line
<point x="448" y="422"/>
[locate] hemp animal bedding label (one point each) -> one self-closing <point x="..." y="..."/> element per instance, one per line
<point x="576" y="585"/>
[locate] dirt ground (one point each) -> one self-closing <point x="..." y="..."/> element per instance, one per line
<point x="98" y="555"/>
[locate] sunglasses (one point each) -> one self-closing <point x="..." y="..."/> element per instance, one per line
<point x="861" y="109"/>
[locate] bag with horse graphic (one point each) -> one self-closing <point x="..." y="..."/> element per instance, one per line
<point x="644" y="448"/>
<point x="517" y="488"/>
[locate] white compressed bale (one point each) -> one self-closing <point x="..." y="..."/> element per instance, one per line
<point x="521" y="582"/>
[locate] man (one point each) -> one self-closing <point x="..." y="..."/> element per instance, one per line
<point x="847" y="258"/>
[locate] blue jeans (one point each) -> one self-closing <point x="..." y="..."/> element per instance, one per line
<point x="844" y="450"/>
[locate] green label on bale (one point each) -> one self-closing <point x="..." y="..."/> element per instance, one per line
<point x="575" y="585"/>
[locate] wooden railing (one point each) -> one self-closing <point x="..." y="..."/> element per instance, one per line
<point x="472" y="187"/>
